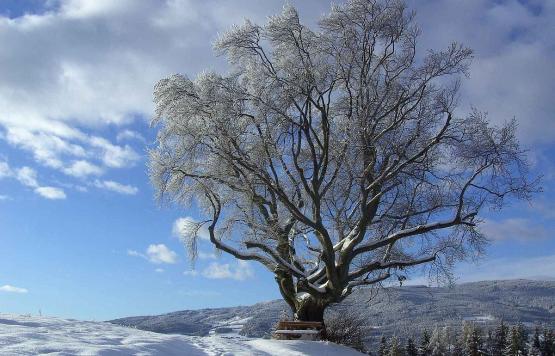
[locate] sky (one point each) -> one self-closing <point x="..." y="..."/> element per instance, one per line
<point x="81" y="234"/>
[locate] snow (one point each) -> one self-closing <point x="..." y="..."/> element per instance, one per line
<point x="32" y="335"/>
<point x="479" y="318"/>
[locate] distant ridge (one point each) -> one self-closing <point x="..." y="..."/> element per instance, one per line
<point x="407" y="310"/>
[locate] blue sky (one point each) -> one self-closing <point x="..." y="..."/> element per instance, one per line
<point x="80" y="233"/>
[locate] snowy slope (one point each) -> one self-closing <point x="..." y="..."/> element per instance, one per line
<point x="33" y="335"/>
<point x="407" y="310"/>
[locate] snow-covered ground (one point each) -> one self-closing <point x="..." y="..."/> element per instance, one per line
<point x="34" y="335"/>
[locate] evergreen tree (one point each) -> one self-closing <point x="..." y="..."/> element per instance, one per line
<point x="437" y="345"/>
<point x="523" y="339"/>
<point x="535" y="345"/>
<point x="424" y="349"/>
<point x="536" y="338"/>
<point x="547" y="345"/>
<point x="499" y="342"/>
<point x="516" y="344"/>
<point x="395" y="348"/>
<point x="472" y="340"/>
<point x="410" y="349"/>
<point x="382" y="351"/>
<point x="457" y="349"/>
<point x="488" y="345"/>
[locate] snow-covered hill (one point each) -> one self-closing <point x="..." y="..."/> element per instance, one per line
<point x="407" y="310"/>
<point x="34" y="335"/>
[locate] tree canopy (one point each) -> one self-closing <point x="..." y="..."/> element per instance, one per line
<point x="335" y="157"/>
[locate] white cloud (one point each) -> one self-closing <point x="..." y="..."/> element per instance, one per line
<point x="50" y="193"/>
<point x="81" y="169"/>
<point x="240" y="272"/>
<point x="116" y="187"/>
<point x="514" y="229"/>
<point x="114" y="156"/>
<point x="11" y="289"/>
<point x="156" y="253"/>
<point x="130" y="135"/>
<point x="160" y="253"/>
<point x="135" y="253"/>
<point x="75" y="70"/>
<point x="511" y="75"/>
<point x="159" y="270"/>
<point x="192" y="273"/>
<point x="27" y="176"/>
<point x="4" y="197"/>
<point x="82" y="9"/>
<point x="186" y="226"/>
<point x="5" y="170"/>
<point x="47" y="148"/>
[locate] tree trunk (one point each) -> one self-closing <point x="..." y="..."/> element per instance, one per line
<point x="310" y="309"/>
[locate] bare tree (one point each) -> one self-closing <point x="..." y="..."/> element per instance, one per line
<point x="335" y="157"/>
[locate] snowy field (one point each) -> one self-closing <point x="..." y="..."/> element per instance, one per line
<point x="34" y="335"/>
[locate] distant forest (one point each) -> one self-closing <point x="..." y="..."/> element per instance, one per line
<point x="473" y="340"/>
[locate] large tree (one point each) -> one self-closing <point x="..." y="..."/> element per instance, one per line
<point x="334" y="157"/>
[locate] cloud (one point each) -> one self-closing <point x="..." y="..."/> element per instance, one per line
<point x="160" y="254"/>
<point x="192" y="273"/>
<point x="130" y="135"/>
<point x="11" y="289"/>
<point x="74" y="71"/>
<point x="4" y="197"/>
<point x="114" y="156"/>
<point x="240" y="272"/>
<point x="28" y="177"/>
<point x="50" y="193"/>
<point x="511" y="75"/>
<point x="519" y="229"/>
<point x="82" y="168"/>
<point x="116" y="187"/>
<point x="159" y="270"/>
<point x="5" y="170"/>
<point x="186" y="226"/>
<point x="156" y="253"/>
<point x="135" y="253"/>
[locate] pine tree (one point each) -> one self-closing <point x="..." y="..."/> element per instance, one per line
<point x="424" y="349"/>
<point x="457" y="349"/>
<point x="515" y="344"/>
<point x="437" y="346"/>
<point x="488" y="346"/>
<point x="523" y="339"/>
<point x="547" y="346"/>
<point x="395" y="348"/>
<point x="410" y="349"/>
<point x="472" y="340"/>
<point x="382" y="351"/>
<point x="499" y="340"/>
<point x="535" y="346"/>
<point x="536" y="338"/>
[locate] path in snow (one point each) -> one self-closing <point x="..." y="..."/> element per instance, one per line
<point x="34" y="335"/>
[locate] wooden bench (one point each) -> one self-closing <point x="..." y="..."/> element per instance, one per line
<point x="299" y="330"/>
